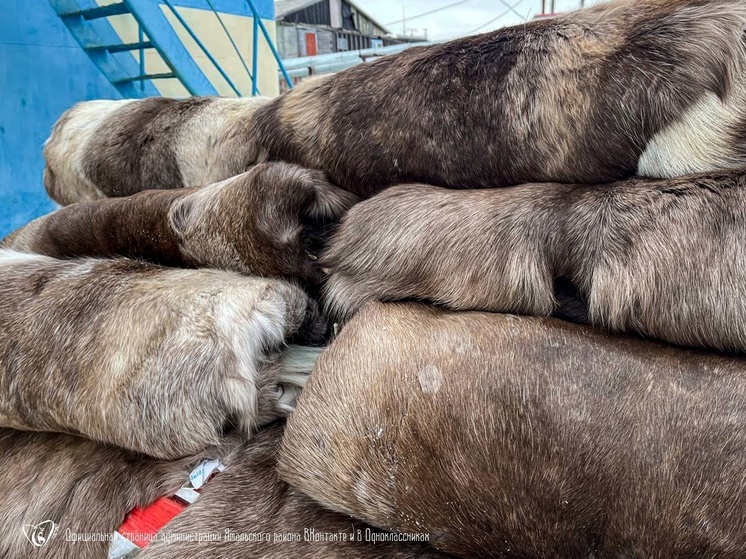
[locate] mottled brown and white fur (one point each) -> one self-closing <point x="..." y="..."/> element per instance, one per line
<point x="265" y="222"/>
<point x="104" y="149"/>
<point x="248" y="498"/>
<point x="662" y="258"/>
<point x="151" y="359"/>
<point x="656" y="87"/>
<point x="505" y="437"/>
<point x="83" y="487"/>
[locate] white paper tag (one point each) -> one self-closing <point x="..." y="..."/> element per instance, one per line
<point x="202" y="473"/>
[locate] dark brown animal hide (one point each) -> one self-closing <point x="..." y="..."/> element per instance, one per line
<point x="106" y="148"/>
<point x="266" y="222"/>
<point x="655" y="87"/>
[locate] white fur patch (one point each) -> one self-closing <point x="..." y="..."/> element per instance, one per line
<point x="65" y="150"/>
<point x="248" y="332"/>
<point x="13" y="257"/>
<point x="698" y="142"/>
<point x="201" y="148"/>
<point x="299" y="360"/>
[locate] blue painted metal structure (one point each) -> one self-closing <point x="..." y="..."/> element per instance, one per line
<point x="258" y="21"/>
<point x="44" y="71"/>
<point x="88" y="23"/>
<point x="255" y="50"/>
<point x="265" y="8"/>
<point x="200" y="44"/>
<point x="84" y="20"/>
<point x="255" y="66"/>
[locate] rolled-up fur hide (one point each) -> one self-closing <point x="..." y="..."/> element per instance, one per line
<point x="504" y="437"/>
<point x="150" y="359"/>
<point x="661" y="258"/>
<point x="83" y="487"/>
<point x="254" y="514"/>
<point x="656" y="87"/>
<point x="266" y="222"/>
<point x="104" y="149"/>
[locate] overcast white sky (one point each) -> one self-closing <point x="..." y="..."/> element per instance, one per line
<point x="467" y="17"/>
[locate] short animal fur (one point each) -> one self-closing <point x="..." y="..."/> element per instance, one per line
<point x="661" y="258"/>
<point x="155" y="360"/>
<point x="265" y="222"/>
<point x="505" y="437"/>
<point x="104" y="149"/>
<point x="83" y="487"/>
<point x="249" y="498"/>
<point x="655" y="87"/>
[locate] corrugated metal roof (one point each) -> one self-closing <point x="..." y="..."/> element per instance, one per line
<point x="367" y="15"/>
<point x="285" y="7"/>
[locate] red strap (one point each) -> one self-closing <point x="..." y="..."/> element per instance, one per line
<point x="141" y="524"/>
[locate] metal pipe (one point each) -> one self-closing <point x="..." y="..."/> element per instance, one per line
<point x="141" y="40"/>
<point x="271" y="44"/>
<point x="235" y="46"/>
<point x="202" y="46"/>
<point x="255" y="54"/>
<point x="303" y="67"/>
<point x="309" y="61"/>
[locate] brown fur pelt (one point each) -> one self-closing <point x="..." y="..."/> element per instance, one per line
<point x="151" y="359"/>
<point x="266" y="222"/>
<point x="655" y="87"/>
<point x="505" y="437"/>
<point x="661" y="258"/>
<point x="249" y="499"/>
<point x="104" y="149"/>
<point x="85" y="488"/>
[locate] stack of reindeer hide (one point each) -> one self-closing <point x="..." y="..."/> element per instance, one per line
<point x="481" y="299"/>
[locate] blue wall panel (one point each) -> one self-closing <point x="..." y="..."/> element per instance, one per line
<point x="43" y="72"/>
<point x="266" y="8"/>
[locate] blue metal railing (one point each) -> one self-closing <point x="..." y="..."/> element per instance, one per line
<point x="141" y="40"/>
<point x="170" y="47"/>
<point x="251" y="74"/>
<point x="201" y="45"/>
<point x="90" y="25"/>
<point x="258" y="26"/>
<point x="255" y="66"/>
<point x="258" y="21"/>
